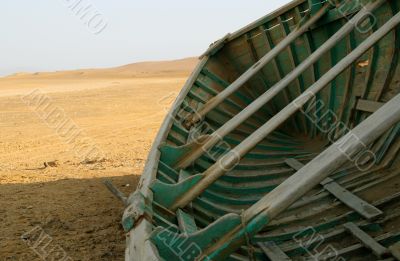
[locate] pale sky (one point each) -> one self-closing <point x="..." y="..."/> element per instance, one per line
<point x="46" y="35"/>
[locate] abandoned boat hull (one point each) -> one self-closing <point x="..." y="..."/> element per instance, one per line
<point x="284" y="100"/>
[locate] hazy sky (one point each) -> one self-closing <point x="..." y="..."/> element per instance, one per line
<point x="46" y="35"/>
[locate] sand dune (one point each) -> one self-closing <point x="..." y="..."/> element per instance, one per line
<point x="67" y="81"/>
<point x="177" y="66"/>
<point x="152" y="69"/>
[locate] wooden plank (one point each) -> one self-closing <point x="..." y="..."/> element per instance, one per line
<point x="395" y="250"/>
<point x="294" y="164"/>
<point x="273" y="252"/>
<point x="353" y="249"/>
<point x="362" y="207"/>
<point x="186" y="222"/>
<point x="368" y="106"/>
<point x="369" y="242"/>
<point x="116" y="192"/>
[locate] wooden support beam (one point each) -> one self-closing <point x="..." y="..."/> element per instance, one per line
<point x="362" y="207"/>
<point x="273" y="252"/>
<point x="369" y="242"/>
<point x="368" y="106"/>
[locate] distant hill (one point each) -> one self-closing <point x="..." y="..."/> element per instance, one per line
<point x="182" y="65"/>
<point x="155" y="68"/>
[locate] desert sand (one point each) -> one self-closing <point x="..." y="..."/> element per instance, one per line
<point x="44" y="184"/>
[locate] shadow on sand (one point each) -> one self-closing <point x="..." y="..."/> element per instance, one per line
<point x="78" y="218"/>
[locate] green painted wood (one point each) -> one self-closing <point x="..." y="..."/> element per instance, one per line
<point x="166" y="194"/>
<point x="374" y="77"/>
<point x="174" y="246"/>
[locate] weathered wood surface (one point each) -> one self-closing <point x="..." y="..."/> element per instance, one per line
<point x="362" y="207"/>
<point x="378" y="250"/>
<point x="273" y="252"/>
<point x="368" y="106"/>
<point x="353" y="95"/>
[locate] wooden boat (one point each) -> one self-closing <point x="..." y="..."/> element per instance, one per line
<point x="283" y="144"/>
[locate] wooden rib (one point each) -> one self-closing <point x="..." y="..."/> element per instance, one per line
<point x="278" y="70"/>
<point x="273" y="252"/>
<point x="255" y="58"/>
<point x="299" y="82"/>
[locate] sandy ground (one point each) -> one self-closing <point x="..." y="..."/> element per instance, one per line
<point x="46" y="186"/>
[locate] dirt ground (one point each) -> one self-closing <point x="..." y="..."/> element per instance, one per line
<point x="46" y="186"/>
